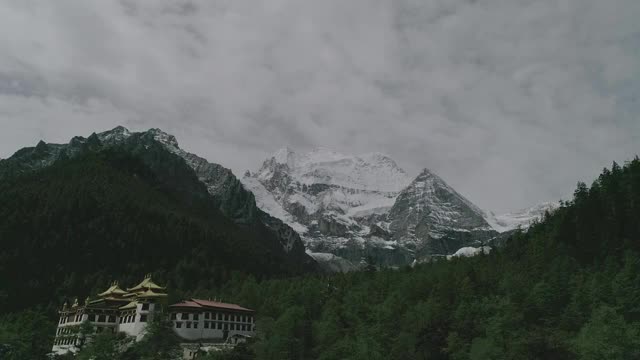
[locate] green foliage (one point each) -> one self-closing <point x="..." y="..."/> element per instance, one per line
<point x="72" y="228"/>
<point x="159" y="343"/>
<point x="26" y="335"/>
<point x="608" y="336"/>
<point x="568" y="288"/>
<point x="105" y="346"/>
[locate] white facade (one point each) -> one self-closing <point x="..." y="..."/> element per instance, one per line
<point x="131" y="322"/>
<point x="114" y="310"/>
<point x="220" y="325"/>
<point x="211" y="324"/>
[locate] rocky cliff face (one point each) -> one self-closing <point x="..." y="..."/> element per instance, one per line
<point x="429" y="217"/>
<point x="365" y="206"/>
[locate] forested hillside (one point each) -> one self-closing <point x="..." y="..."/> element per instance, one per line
<point x="569" y="288"/>
<point x="73" y="227"/>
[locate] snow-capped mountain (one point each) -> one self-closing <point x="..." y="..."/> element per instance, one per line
<point x="430" y="217"/>
<point x="366" y="205"/>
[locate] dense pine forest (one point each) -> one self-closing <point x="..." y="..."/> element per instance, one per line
<point x="568" y="288"/>
<point x="72" y="228"/>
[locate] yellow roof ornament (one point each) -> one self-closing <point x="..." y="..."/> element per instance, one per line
<point x="75" y="303"/>
<point x="131" y="305"/>
<point x="146" y="284"/>
<point x="114" y="290"/>
<point x="151" y="294"/>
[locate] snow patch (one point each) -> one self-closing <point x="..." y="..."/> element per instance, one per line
<point x="470" y="251"/>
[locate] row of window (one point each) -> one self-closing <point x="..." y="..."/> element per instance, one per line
<point x="92" y="317"/>
<point x="102" y="318"/>
<point x="75" y="329"/>
<point x="111" y="318"/>
<point x="213" y="316"/>
<point x="62" y="331"/>
<point x="66" y="319"/>
<point x="132" y="318"/>
<point x="65" y="341"/>
<point x="214" y="325"/>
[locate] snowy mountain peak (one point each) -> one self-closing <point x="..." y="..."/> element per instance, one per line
<point x="114" y="135"/>
<point x="347" y="204"/>
<point x="164" y="138"/>
<point x="284" y="156"/>
<point x="368" y="172"/>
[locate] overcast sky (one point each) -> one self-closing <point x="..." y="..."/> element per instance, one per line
<point x="510" y="101"/>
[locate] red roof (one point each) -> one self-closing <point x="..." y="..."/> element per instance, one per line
<point x="208" y="304"/>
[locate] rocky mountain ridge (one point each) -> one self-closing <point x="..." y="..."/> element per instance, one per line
<point x="367" y="206"/>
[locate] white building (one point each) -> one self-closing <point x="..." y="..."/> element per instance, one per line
<point x="114" y="310"/>
<point x="211" y="321"/>
<point x="202" y="324"/>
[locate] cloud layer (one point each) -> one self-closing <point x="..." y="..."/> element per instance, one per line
<point x="511" y="101"/>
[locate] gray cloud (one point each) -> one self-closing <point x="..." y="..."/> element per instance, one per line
<point x="511" y="101"/>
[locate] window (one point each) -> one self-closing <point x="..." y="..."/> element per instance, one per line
<point x="184" y="316"/>
<point x="143" y="318"/>
<point x="173" y="316"/>
<point x="188" y="325"/>
<point x="102" y="318"/>
<point x="112" y="319"/>
<point x="206" y="324"/>
<point x="145" y="306"/>
<point x="195" y="325"/>
<point x="226" y="326"/>
<point x="196" y="316"/>
<point x="178" y="325"/>
<point x="219" y="326"/>
<point x="206" y="315"/>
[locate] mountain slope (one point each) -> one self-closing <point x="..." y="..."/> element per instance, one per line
<point x="94" y="210"/>
<point x="233" y="200"/>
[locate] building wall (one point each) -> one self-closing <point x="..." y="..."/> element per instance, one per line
<point x="195" y="325"/>
<point x="140" y="318"/>
<point x="66" y="334"/>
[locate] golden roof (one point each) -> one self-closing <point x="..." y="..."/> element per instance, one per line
<point x="146" y="284"/>
<point x="150" y="294"/>
<point x="131" y="305"/>
<point x="113" y="291"/>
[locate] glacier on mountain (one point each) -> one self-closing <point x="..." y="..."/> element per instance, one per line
<point x="520" y="219"/>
